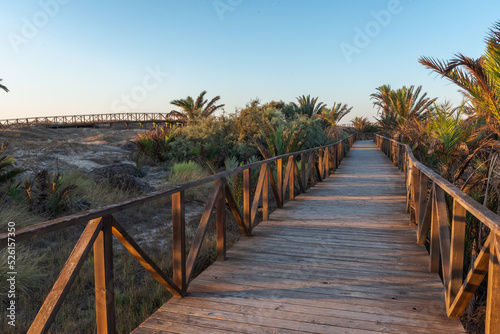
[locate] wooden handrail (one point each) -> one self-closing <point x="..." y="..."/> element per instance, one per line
<point x="171" y="117"/>
<point x="101" y="226"/>
<point x="447" y="247"/>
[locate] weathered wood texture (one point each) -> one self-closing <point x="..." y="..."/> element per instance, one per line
<point x="341" y="258"/>
<point x="447" y="248"/>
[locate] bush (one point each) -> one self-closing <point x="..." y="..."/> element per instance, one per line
<point x="184" y="172"/>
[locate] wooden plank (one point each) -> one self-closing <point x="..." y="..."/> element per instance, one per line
<point x="434" y="248"/>
<point x="61" y="287"/>
<point x="265" y="197"/>
<point x="309" y="178"/>
<point x="179" y="241"/>
<point x="422" y="198"/>
<point x="235" y="210"/>
<point x="131" y="245"/>
<point x="279" y="181"/>
<point x="425" y="224"/>
<point x="274" y="188"/>
<point x="415" y="193"/>
<point x="320" y="165"/>
<point x="221" y="224"/>
<point x="334" y="321"/>
<point x="326" y="158"/>
<point x="409" y="187"/>
<point x="444" y="238"/>
<point x="258" y="193"/>
<point x="457" y="250"/>
<point x="472" y="281"/>
<point x="492" y="321"/>
<point x="299" y="174"/>
<point x="247" y="218"/>
<point x="286" y="180"/>
<point x="303" y="174"/>
<point x="104" y="278"/>
<point x="200" y="232"/>
<point x="262" y="319"/>
<point x="307" y="305"/>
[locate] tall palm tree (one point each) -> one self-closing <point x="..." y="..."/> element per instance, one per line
<point x="201" y="108"/>
<point x="333" y="116"/>
<point x="3" y="87"/>
<point x="478" y="79"/>
<point x="309" y="106"/>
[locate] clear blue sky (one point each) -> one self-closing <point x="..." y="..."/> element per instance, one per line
<point x="73" y="56"/>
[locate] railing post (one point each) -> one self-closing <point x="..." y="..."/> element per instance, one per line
<point x="422" y="196"/>
<point x="265" y="195"/>
<point x="457" y="249"/>
<point x="415" y="181"/>
<point x="221" y="224"/>
<point x="493" y="300"/>
<point x="104" y="279"/>
<point x="320" y="164"/>
<point x="246" y="199"/>
<point x="434" y="236"/>
<point x="331" y="159"/>
<point x="279" y="180"/>
<point x="179" y="241"/>
<point x="291" y="191"/>
<point x="303" y="171"/>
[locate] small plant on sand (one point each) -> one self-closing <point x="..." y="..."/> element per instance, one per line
<point x="48" y="195"/>
<point x="156" y="142"/>
<point x="7" y="171"/>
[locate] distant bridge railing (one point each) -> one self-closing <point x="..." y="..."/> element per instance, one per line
<point x="280" y="173"/>
<point x="426" y="191"/>
<point x="54" y="121"/>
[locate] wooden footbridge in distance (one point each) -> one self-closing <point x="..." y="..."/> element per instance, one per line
<point x="341" y="257"/>
<point x="170" y="119"/>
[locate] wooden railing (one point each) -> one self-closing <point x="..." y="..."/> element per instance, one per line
<point x="426" y="193"/>
<point x="171" y="118"/>
<point x="279" y="174"/>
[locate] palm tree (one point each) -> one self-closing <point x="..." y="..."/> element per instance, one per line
<point x="333" y="116"/>
<point x="3" y="87"/>
<point x="195" y="110"/>
<point x="478" y="79"/>
<point x="309" y="106"/>
<point x="449" y="134"/>
<point x="398" y="108"/>
<point x="362" y="124"/>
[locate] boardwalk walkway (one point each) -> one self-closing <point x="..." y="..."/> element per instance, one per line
<point x="339" y="259"/>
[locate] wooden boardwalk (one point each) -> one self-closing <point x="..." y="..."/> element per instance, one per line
<point x="339" y="259"/>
